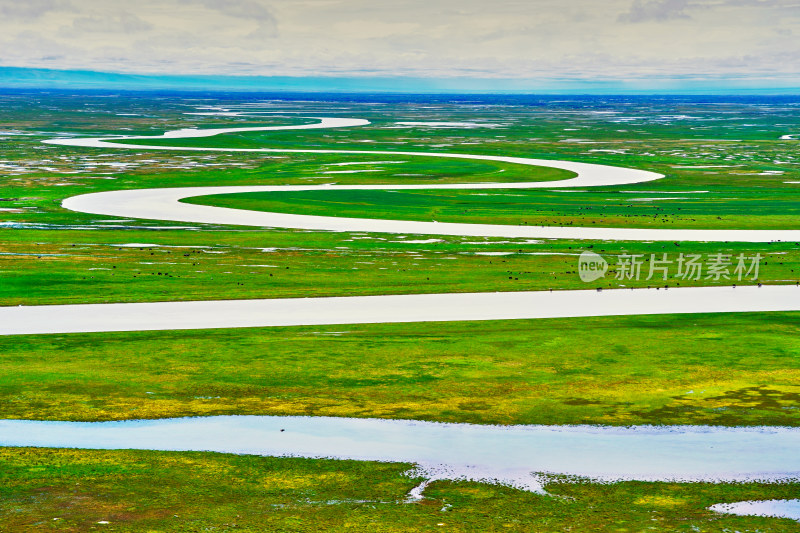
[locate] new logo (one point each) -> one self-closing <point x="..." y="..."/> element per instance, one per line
<point x="591" y="266"/>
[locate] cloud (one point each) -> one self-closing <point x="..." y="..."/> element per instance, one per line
<point x="244" y="9"/>
<point x="252" y="10"/>
<point x="30" y="9"/>
<point x="756" y="3"/>
<point x="118" y="23"/>
<point x="655" y="10"/>
<point x="437" y="38"/>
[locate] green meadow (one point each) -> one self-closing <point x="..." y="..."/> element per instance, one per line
<point x="661" y="207"/>
<point x="110" y="265"/>
<point x="739" y="369"/>
<point x="725" y="169"/>
<point x="77" y="490"/>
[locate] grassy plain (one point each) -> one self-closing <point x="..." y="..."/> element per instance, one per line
<point x="114" y="265"/>
<point x="661" y="207"/>
<point x="736" y="369"/>
<point x="75" y="490"/>
<point x="689" y="369"/>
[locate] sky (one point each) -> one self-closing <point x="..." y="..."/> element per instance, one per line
<point x="745" y="42"/>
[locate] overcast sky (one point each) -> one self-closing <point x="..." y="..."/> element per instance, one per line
<point x="575" y="39"/>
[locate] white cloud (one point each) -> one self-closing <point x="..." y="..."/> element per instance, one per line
<point x="123" y="22"/>
<point x="245" y="9"/>
<point x="658" y="10"/>
<point x="503" y="38"/>
<point x="14" y="10"/>
<point x="248" y="10"/>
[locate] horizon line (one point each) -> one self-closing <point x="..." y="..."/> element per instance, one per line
<point x="35" y="78"/>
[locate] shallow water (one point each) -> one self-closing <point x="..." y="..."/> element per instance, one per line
<point x="507" y="454"/>
<point x="770" y="508"/>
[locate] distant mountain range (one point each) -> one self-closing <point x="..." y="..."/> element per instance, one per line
<point x="37" y="78"/>
<point x="16" y="77"/>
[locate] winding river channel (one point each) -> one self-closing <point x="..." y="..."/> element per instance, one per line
<point x="512" y="454"/>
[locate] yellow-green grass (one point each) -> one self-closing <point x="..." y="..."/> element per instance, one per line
<point x="724" y="369"/>
<point x="76" y="490"/>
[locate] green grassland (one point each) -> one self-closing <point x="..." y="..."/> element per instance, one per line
<point x="74" y="490"/>
<point x="731" y="369"/>
<point x="96" y="266"/>
<point x="727" y="208"/>
<point x="724" y="369"/>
